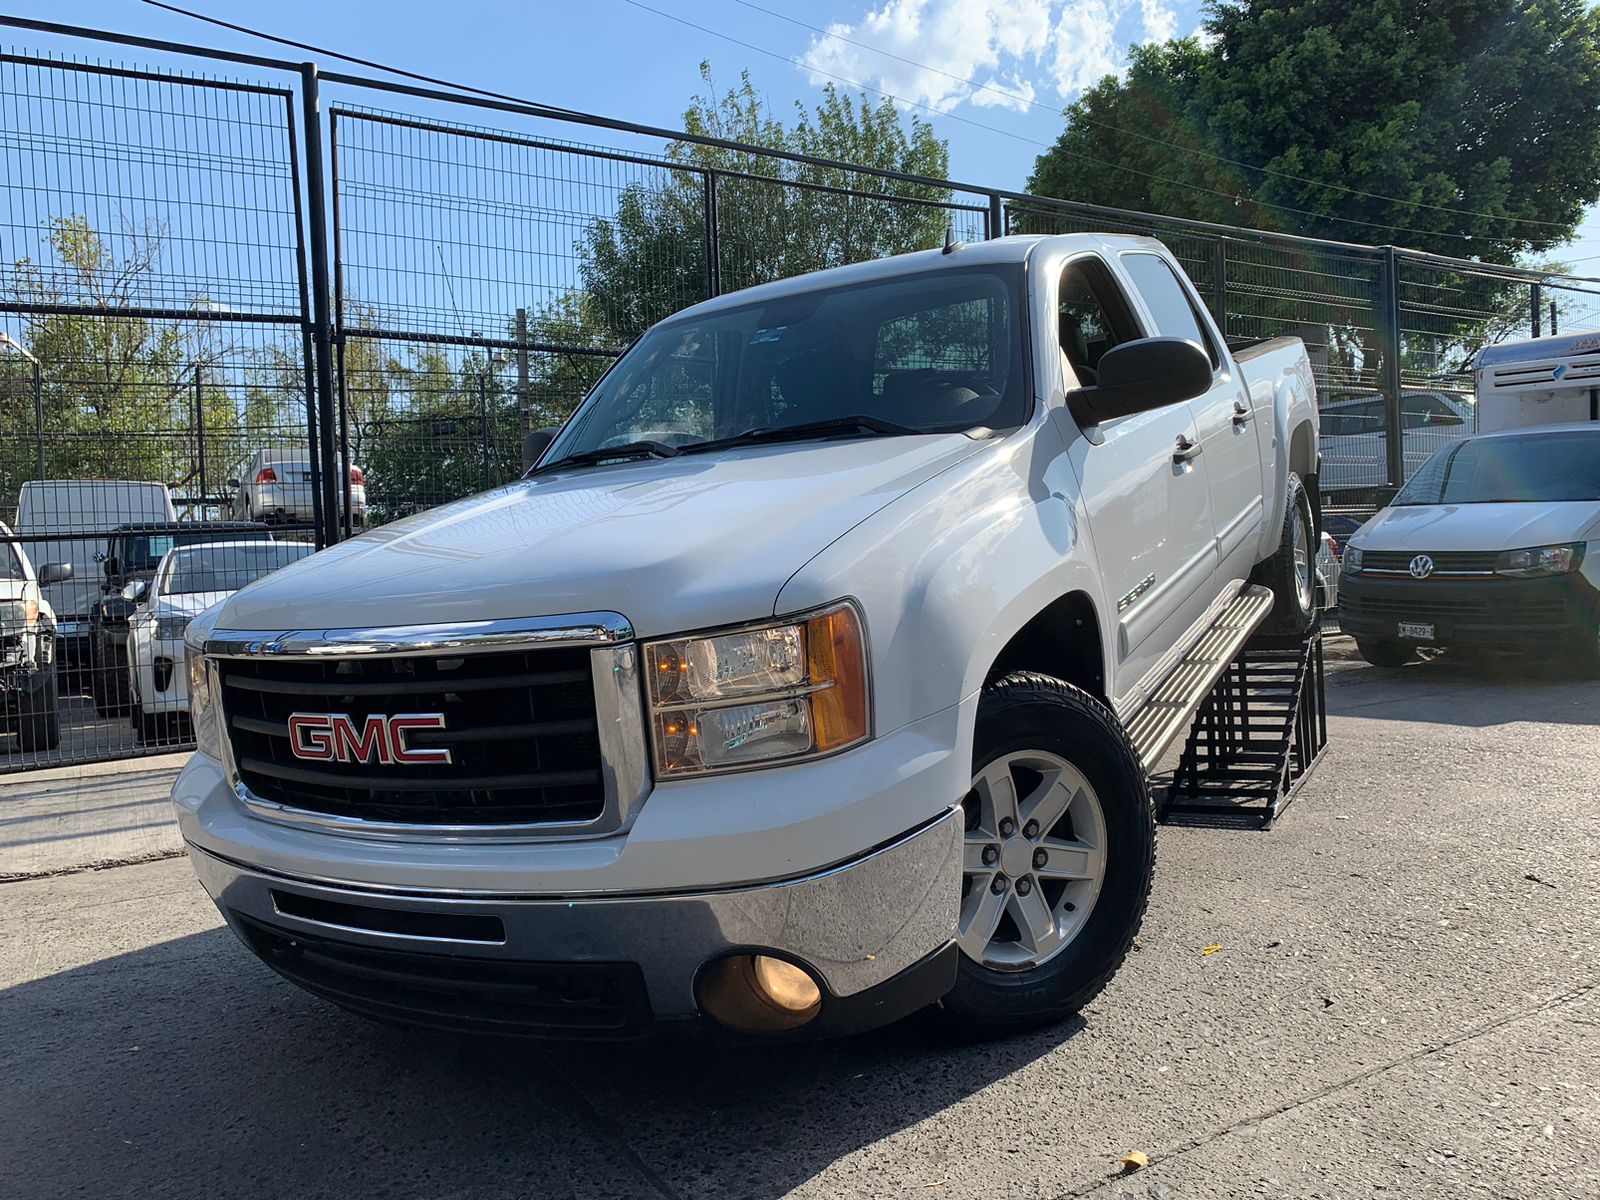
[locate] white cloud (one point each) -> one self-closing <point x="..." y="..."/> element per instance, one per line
<point x="1011" y="48"/>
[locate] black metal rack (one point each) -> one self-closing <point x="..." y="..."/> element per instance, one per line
<point x="1256" y="737"/>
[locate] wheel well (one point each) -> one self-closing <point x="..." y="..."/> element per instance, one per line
<point x="1300" y="461"/>
<point x="1062" y="641"/>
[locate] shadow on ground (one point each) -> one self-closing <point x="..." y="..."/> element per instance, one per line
<point x="1462" y="689"/>
<point x="186" y="1068"/>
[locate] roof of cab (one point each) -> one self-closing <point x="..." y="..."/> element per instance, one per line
<point x="1015" y="248"/>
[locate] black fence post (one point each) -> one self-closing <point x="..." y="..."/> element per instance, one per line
<point x="713" y="243"/>
<point x="1219" y="284"/>
<point x="1390" y="333"/>
<point x="321" y="330"/>
<point x="483" y="423"/>
<point x="200" y="433"/>
<point x="997" y="216"/>
<point x="1535" y="308"/>
<point x="38" y="416"/>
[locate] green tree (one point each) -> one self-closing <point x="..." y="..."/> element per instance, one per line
<point x="1466" y="128"/>
<point x="118" y="392"/>
<point x="649" y="259"/>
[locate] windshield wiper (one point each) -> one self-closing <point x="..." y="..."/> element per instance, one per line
<point x="622" y="453"/>
<point x="860" y="423"/>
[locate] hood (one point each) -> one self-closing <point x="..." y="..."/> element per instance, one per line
<point x="673" y="545"/>
<point x="188" y="604"/>
<point x="1510" y="526"/>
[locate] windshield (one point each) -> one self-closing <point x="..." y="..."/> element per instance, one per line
<point x="933" y="352"/>
<point x="144" y="551"/>
<point x="227" y="568"/>
<point x="1534" y="466"/>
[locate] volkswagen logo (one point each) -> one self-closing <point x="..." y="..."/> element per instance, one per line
<point x="1421" y="567"/>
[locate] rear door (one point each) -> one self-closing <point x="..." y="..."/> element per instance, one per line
<point x="1148" y="502"/>
<point x="1223" y="415"/>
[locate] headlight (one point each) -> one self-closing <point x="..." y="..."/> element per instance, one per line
<point x="756" y="696"/>
<point x="1351" y="563"/>
<point x="15" y="617"/>
<point x="170" y="629"/>
<point x="203" y="712"/>
<point x="1541" y="560"/>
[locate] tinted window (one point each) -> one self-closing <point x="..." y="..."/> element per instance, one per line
<point x="227" y="568"/>
<point x="1427" y="412"/>
<point x="1169" y="303"/>
<point x="1534" y="466"/>
<point x="1349" y="419"/>
<point x="934" y="351"/>
<point x="10" y="564"/>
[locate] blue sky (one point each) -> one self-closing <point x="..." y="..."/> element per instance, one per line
<point x="621" y="59"/>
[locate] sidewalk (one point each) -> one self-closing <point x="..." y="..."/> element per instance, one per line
<point x="95" y="815"/>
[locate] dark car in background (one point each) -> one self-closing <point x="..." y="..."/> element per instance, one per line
<point x="132" y="553"/>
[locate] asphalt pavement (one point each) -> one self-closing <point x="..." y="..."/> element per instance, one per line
<point x="1405" y="1005"/>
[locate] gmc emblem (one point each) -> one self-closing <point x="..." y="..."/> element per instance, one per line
<point x="379" y="738"/>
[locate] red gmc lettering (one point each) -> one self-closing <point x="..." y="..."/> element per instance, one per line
<point x="378" y="737"/>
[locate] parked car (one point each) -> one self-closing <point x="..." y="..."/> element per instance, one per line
<point x="277" y="487"/>
<point x="1355" y="442"/>
<point x="1328" y="567"/>
<point x="29" y="703"/>
<point x="66" y="521"/>
<point x="1494" y="544"/>
<point x="190" y="579"/>
<point x="134" y="551"/>
<point x="838" y="703"/>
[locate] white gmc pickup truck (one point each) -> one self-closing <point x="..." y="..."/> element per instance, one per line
<point x="810" y="678"/>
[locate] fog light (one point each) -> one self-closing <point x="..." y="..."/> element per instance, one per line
<point x="758" y="993"/>
<point x="786" y="985"/>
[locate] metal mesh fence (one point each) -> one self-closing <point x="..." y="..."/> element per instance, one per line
<point x="153" y="375"/>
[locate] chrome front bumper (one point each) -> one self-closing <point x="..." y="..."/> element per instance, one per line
<point x="864" y="928"/>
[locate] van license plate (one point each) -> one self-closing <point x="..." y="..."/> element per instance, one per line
<point x="1416" y="630"/>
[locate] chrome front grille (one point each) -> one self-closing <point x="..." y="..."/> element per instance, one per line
<point x="520" y="728"/>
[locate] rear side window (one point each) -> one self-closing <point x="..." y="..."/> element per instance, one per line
<point x="1349" y="420"/>
<point x="1169" y="302"/>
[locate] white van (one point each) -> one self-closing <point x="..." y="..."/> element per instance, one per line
<point x="68" y="521"/>
<point x="1540" y="381"/>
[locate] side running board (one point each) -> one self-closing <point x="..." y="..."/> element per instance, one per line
<point x="1174" y="703"/>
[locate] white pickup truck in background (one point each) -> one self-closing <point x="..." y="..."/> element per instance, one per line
<point x="811" y="677"/>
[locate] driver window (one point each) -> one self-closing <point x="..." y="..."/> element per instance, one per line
<point x="1092" y="317"/>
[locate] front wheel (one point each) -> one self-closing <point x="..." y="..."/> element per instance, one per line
<point x="1382" y="652"/>
<point x="39" y="718"/>
<point x="1291" y="572"/>
<point x="1060" y="852"/>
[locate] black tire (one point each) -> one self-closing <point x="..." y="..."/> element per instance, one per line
<point x="1292" y="613"/>
<point x="108" y="682"/>
<point x="148" y="728"/>
<point x="39" y="718"/>
<point x="1381" y="652"/>
<point x="1024" y="712"/>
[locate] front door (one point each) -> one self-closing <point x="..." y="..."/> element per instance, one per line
<point x="1224" y="416"/>
<point x="1144" y="488"/>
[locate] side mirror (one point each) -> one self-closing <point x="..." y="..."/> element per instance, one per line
<point x="1141" y="375"/>
<point x="111" y="567"/>
<point x="135" y="591"/>
<point x="536" y="443"/>
<point x="233" y="483"/>
<point x="55" y="573"/>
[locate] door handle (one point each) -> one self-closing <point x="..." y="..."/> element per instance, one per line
<point x="1185" y="450"/>
<point x="1241" y="413"/>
